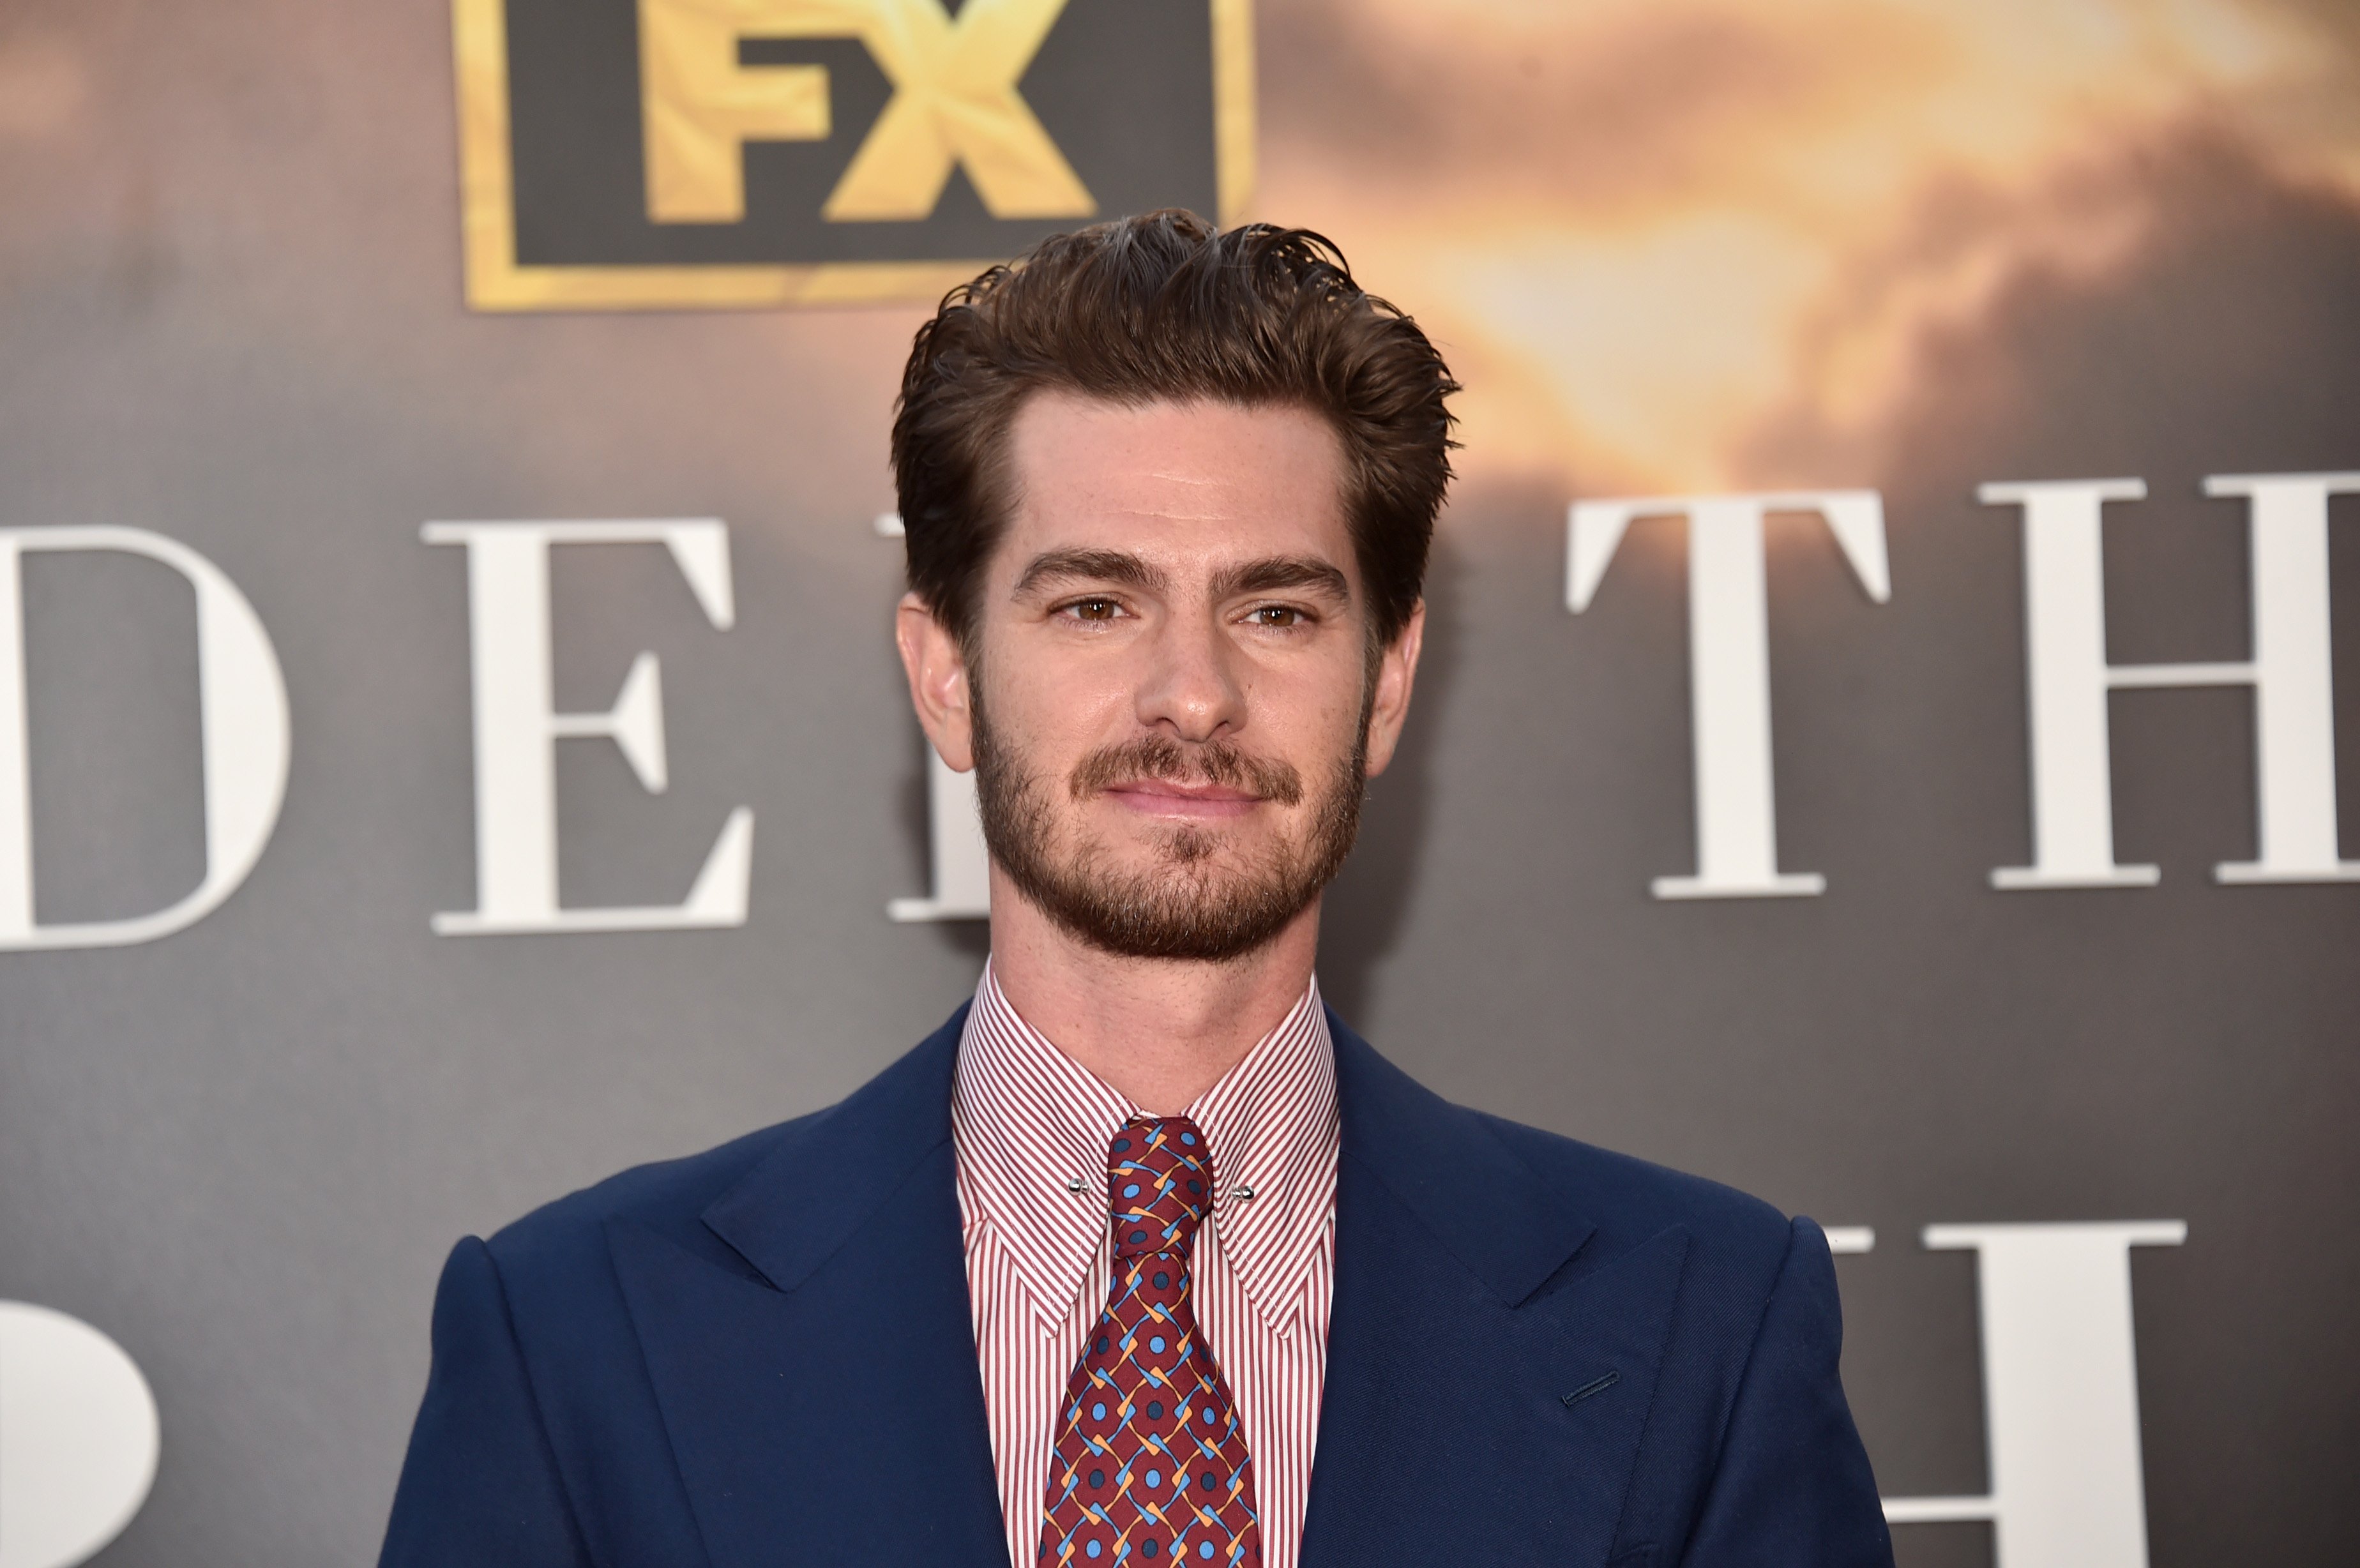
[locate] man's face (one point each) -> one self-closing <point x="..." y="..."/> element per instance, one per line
<point x="1172" y="707"/>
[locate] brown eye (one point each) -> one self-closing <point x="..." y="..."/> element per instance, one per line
<point x="1278" y="615"/>
<point x="1094" y="609"/>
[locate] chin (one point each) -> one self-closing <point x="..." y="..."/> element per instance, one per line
<point x="1216" y="848"/>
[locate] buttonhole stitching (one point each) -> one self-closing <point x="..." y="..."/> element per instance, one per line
<point x="1595" y="1385"/>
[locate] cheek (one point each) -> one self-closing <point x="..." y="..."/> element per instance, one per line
<point x="1058" y="710"/>
<point x="1312" y="715"/>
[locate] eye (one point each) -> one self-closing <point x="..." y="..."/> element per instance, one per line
<point x="1277" y="615"/>
<point x="1097" y="608"/>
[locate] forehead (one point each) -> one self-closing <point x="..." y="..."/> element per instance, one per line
<point x="1207" y="481"/>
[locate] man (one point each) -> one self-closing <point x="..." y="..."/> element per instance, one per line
<point x="1144" y="1259"/>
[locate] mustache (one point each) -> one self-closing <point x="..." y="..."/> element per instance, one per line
<point x="1214" y="762"/>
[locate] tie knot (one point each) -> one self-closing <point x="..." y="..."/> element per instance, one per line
<point x="1160" y="1182"/>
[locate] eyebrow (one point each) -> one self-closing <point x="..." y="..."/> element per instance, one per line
<point x="1094" y="565"/>
<point x="1279" y="572"/>
<point x="1271" y="575"/>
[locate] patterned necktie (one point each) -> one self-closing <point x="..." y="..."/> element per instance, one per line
<point x="1151" y="1463"/>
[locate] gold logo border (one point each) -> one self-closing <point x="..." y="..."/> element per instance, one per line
<point x="486" y="185"/>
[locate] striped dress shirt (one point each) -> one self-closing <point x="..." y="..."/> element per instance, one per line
<point x="1031" y="1128"/>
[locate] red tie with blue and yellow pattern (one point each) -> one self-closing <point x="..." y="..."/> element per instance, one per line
<point x="1151" y="1463"/>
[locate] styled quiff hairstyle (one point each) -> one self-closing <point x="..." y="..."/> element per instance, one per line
<point x="1168" y="308"/>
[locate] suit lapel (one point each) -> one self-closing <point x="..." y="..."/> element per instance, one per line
<point x="830" y="1410"/>
<point x="1484" y="1401"/>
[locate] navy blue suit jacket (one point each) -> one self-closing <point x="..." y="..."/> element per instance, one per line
<point x="762" y="1356"/>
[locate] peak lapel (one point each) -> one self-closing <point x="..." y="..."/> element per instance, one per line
<point x="1483" y="1403"/>
<point x="830" y="1411"/>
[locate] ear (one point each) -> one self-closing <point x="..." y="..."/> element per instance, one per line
<point x="937" y="672"/>
<point x="1389" y="704"/>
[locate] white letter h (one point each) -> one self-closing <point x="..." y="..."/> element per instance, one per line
<point x="2290" y="672"/>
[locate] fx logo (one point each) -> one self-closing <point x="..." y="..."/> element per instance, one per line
<point x="699" y="153"/>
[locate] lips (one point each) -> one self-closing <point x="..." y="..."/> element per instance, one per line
<point x="1164" y="797"/>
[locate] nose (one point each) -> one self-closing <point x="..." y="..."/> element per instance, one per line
<point x="1190" y="687"/>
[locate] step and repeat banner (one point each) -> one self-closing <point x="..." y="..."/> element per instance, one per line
<point x="1890" y="737"/>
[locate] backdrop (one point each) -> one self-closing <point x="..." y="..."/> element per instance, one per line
<point x="1854" y="843"/>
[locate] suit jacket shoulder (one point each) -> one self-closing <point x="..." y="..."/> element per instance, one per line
<point x="1658" y="1352"/>
<point x="562" y="1239"/>
<point x="825" y="1165"/>
<point x="1630" y="1201"/>
<point x="645" y="1372"/>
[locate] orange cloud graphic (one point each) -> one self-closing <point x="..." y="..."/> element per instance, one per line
<point x="1645" y="232"/>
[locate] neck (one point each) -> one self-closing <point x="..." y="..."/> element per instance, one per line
<point x="1159" y="1032"/>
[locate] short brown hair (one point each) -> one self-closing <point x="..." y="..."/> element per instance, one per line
<point x="1167" y="307"/>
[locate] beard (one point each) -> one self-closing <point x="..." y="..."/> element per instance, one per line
<point x="1200" y="899"/>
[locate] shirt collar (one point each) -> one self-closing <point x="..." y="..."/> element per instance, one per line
<point x="1029" y="1121"/>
